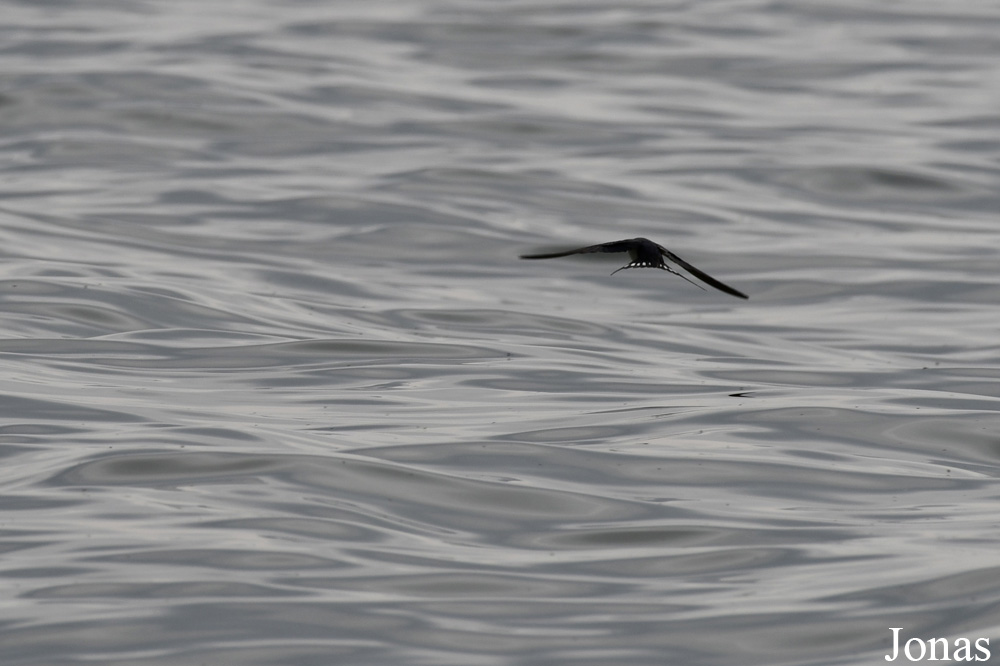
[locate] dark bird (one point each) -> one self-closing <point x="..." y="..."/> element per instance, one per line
<point x="644" y="253"/>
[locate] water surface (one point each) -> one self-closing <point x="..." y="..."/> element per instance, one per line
<point x="277" y="390"/>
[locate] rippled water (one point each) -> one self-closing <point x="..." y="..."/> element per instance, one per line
<point x="277" y="390"/>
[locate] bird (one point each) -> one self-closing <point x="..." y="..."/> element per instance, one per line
<point x="644" y="253"/>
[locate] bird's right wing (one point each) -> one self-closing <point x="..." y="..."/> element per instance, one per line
<point x="701" y="275"/>
<point x="614" y="246"/>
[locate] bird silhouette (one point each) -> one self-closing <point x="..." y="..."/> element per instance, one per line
<point x="644" y="253"/>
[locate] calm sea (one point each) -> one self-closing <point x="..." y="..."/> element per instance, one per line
<point x="275" y="388"/>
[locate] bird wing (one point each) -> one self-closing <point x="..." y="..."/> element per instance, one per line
<point x="701" y="275"/>
<point x="613" y="246"/>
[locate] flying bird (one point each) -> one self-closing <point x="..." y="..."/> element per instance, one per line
<point x="644" y="253"/>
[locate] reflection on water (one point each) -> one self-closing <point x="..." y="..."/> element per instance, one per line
<point x="277" y="389"/>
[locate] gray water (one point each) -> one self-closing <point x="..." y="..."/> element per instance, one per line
<point x="276" y="388"/>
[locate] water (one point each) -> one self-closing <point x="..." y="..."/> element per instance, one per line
<point x="277" y="390"/>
